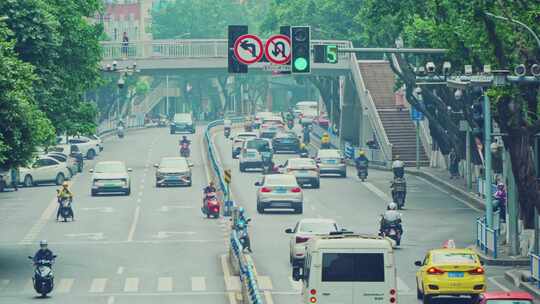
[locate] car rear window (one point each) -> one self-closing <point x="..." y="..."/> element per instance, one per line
<point x="177" y="163"/>
<point x="453" y="258"/>
<point x="110" y="168"/>
<point x="329" y="154"/>
<point x="353" y="267"/>
<point x="301" y="162"/>
<point x="257" y="144"/>
<point x="280" y="180"/>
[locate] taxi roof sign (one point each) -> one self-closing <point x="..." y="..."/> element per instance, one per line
<point x="449" y="244"/>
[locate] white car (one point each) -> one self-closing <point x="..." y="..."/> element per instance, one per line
<point x="303" y="231"/>
<point x="45" y="169"/>
<point x="98" y="140"/>
<point x="71" y="162"/>
<point x="279" y="191"/>
<point x="110" y="177"/>
<point x="251" y="153"/>
<point x="238" y="141"/>
<point x="89" y="148"/>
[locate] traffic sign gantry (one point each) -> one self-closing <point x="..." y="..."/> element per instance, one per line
<point x="248" y="49"/>
<point x="278" y="49"/>
<point x="227" y="176"/>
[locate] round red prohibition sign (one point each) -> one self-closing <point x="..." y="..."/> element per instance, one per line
<point x="248" y="49"/>
<point x="278" y="49"/>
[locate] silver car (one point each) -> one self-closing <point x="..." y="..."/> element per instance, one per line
<point x="331" y="161"/>
<point x="238" y="142"/>
<point x="279" y="191"/>
<point x="304" y="230"/>
<point x="304" y="169"/>
<point x="250" y="155"/>
<point x="110" y="177"/>
<point x="173" y="171"/>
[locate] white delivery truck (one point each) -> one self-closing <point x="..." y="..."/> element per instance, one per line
<point x="348" y="269"/>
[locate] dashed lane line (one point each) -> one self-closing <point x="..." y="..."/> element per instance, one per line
<point x="134" y="224"/>
<point x="98" y="285"/>
<point x="501" y="286"/>
<point x="131" y="285"/>
<point x="165" y="284"/>
<point x="120" y="270"/>
<point x="376" y="191"/>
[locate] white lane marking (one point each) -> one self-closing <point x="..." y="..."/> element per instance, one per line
<point x="140" y="193"/>
<point x="402" y="286"/>
<point x="89" y="235"/>
<point x="501" y="286"/>
<point x="231" y="283"/>
<point x="98" y="285"/>
<point x="40" y="224"/>
<point x="165" y="284"/>
<point x="466" y="203"/>
<point x="432" y="185"/>
<point x="376" y="191"/>
<point x="167" y="234"/>
<point x="296" y="285"/>
<point x="198" y="284"/>
<point x="265" y="283"/>
<point x="167" y="208"/>
<point x="139" y="200"/>
<point x="134" y="224"/>
<point x="110" y="300"/>
<point x="120" y="270"/>
<point x="131" y="285"/>
<point x="64" y="286"/>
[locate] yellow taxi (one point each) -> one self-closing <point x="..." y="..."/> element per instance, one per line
<point x="450" y="272"/>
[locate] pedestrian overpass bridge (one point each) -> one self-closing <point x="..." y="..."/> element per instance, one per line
<point x="201" y="55"/>
<point x="361" y="120"/>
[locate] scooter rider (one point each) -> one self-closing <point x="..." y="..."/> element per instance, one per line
<point x="325" y="141"/>
<point x="391" y="216"/>
<point x="43" y="253"/>
<point x="211" y="188"/>
<point x="306" y="131"/>
<point x="64" y="193"/>
<point x="362" y="161"/>
<point x="398" y="167"/>
<point x="185" y="140"/>
<point x="303" y="151"/>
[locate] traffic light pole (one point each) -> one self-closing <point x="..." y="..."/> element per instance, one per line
<point x="468" y="169"/>
<point x="487" y="161"/>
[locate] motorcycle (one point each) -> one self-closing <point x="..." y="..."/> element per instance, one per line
<point x="65" y="209"/>
<point x="184" y="150"/>
<point x="362" y="170"/>
<point x="267" y="165"/>
<point x="304" y="154"/>
<point x="392" y="231"/>
<point x="243" y="236"/>
<point x="211" y="205"/>
<point x="120" y="132"/>
<point x="227" y="132"/>
<point x="399" y="191"/>
<point x="43" y="279"/>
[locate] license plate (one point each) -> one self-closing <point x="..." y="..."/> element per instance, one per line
<point x="455" y="274"/>
<point x="251" y="155"/>
<point x="280" y="204"/>
<point x="281" y="190"/>
<point x="110" y="185"/>
<point x="331" y="161"/>
<point x="173" y="177"/>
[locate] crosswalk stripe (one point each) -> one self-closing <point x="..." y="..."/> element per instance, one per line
<point x="198" y="284"/>
<point x="64" y="286"/>
<point x="98" y="285"/>
<point x="265" y="283"/>
<point x="165" y="284"/>
<point x="131" y="285"/>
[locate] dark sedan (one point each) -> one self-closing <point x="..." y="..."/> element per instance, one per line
<point x="286" y="142"/>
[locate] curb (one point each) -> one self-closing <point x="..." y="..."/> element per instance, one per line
<point x="528" y="287"/>
<point x="508" y="261"/>
<point x="514" y="276"/>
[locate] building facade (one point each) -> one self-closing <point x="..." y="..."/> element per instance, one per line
<point x="133" y="17"/>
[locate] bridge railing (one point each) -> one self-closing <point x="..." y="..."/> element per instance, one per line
<point x="183" y="48"/>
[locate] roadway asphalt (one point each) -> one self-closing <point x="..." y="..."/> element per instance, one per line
<point x="432" y="216"/>
<point x="153" y="245"/>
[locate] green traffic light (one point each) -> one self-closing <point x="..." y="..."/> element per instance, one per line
<point x="300" y="63"/>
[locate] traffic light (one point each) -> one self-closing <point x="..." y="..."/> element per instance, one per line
<point x="234" y="65"/>
<point x="325" y="54"/>
<point x="301" y="49"/>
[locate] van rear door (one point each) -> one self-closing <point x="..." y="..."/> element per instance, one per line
<point x="375" y="277"/>
<point x="336" y="285"/>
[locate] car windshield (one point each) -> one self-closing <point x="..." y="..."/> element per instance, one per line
<point x="110" y="168"/>
<point x="317" y="227"/>
<point x="508" y="301"/>
<point x="176" y="163"/>
<point x="453" y="258"/>
<point x="329" y="154"/>
<point x="301" y="162"/>
<point x="280" y="180"/>
<point x="182" y="117"/>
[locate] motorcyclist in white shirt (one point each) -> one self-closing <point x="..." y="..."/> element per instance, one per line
<point x="391" y="216"/>
<point x="398" y="167"/>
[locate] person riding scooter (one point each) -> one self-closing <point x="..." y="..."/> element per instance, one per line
<point x="398" y="167"/>
<point x="399" y="191"/>
<point x="43" y="253"/>
<point x="325" y="141"/>
<point x="305" y="134"/>
<point x="391" y="217"/>
<point x="500" y="199"/>
<point x="211" y="188"/>
<point x="362" y="163"/>
<point x="227" y="127"/>
<point x="184" y="146"/>
<point x="64" y="194"/>
<point x="248" y="125"/>
<point x="303" y="151"/>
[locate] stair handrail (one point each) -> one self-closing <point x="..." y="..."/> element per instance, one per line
<point x="369" y="104"/>
<point x="153" y="98"/>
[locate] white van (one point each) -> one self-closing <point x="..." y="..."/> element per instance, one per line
<point x="347" y="269"/>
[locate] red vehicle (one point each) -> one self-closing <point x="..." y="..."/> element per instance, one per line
<point x="322" y="121"/>
<point x="503" y="297"/>
<point x="212" y="205"/>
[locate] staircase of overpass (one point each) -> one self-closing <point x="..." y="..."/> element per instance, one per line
<point x="373" y="82"/>
<point x="379" y="79"/>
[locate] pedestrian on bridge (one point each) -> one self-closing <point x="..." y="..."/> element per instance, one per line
<point x="125" y="44"/>
<point x="454" y="164"/>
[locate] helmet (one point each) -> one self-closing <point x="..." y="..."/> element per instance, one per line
<point x="241" y="210"/>
<point x="211" y="183"/>
<point x="500" y="186"/>
<point x="396" y="157"/>
<point x="184" y="137"/>
<point x="302" y="146"/>
<point x="65" y="184"/>
<point x="362" y="152"/>
<point x="240" y="225"/>
<point x="325" y="134"/>
<point x="43" y="244"/>
<point x="392" y="206"/>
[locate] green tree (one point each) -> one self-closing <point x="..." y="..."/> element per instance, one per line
<point x="22" y="125"/>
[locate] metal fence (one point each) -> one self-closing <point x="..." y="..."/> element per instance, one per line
<point x="250" y="289"/>
<point x="110" y="125"/>
<point x="535" y="268"/>
<point x="487" y="238"/>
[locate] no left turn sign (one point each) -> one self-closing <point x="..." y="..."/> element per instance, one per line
<point x="278" y="49"/>
<point x="248" y="49"/>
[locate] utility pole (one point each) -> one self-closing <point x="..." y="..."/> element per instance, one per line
<point x="167" y="96"/>
<point x="487" y="161"/>
<point x="468" y="169"/>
